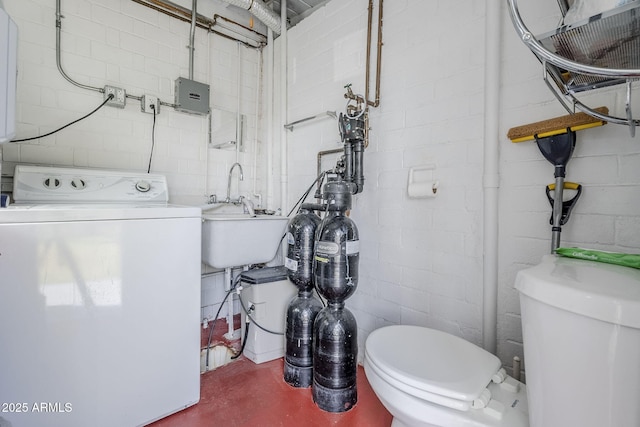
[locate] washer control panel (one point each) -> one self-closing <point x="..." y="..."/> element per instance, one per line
<point x="70" y="185"/>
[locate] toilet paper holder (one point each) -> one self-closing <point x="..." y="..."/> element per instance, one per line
<point x="422" y="183"/>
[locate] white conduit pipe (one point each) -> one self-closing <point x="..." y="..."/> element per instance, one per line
<point x="255" y="129"/>
<point x="491" y="177"/>
<point x="269" y="107"/>
<point x="192" y="36"/>
<point x="284" y="166"/>
<point x="260" y="10"/>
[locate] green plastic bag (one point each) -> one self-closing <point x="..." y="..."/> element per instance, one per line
<point x="627" y="260"/>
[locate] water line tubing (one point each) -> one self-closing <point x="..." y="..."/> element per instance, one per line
<point x="491" y="176"/>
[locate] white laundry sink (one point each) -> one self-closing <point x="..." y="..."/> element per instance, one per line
<point x="235" y="239"/>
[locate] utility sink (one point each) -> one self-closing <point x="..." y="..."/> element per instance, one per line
<point x="235" y="239"/>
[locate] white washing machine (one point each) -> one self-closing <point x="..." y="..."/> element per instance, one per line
<point x="99" y="300"/>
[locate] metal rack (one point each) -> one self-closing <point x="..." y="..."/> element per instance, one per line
<point x="598" y="52"/>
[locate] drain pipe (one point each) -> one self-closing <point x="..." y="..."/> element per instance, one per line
<point x="491" y="177"/>
<point x="284" y="167"/>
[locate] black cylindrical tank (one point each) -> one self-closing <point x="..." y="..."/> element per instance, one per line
<point x="335" y="350"/>
<point x="303" y="309"/>
<point x="337" y="254"/>
<point x="300" y="242"/>
<point x="335" y="266"/>
<point x="298" y="361"/>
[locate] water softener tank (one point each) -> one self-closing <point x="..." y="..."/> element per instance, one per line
<point x="303" y="309"/>
<point x="335" y="341"/>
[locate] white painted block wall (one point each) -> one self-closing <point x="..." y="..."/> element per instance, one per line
<point x="421" y="260"/>
<point x="124" y="44"/>
<point x="605" y="161"/>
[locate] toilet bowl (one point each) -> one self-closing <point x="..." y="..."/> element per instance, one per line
<point x="426" y="377"/>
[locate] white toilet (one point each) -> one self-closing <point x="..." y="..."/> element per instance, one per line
<point x="426" y="377"/>
<point x="581" y="333"/>
<point x="581" y="325"/>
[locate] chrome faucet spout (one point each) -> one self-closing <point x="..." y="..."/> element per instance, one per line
<point x="233" y="166"/>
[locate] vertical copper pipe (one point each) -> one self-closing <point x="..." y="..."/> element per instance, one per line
<point x="378" y="56"/>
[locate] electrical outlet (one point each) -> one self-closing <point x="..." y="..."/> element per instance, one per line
<point x="119" y="96"/>
<point x="150" y="104"/>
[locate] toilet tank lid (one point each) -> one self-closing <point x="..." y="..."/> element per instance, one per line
<point x="433" y="361"/>
<point x="606" y="292"/>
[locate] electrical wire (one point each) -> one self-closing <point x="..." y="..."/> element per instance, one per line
<point x="153" y="137"/>
<point x="68" y="124"/>
<point x="233" y="288"/>
<point x="248" y="313"/>
<point x="246" y="335"/>
<point x="306" y="193"/>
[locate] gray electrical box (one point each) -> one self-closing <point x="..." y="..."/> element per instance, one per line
<point x="192" y="96"/>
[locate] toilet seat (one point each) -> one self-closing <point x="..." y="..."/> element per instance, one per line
<point x="441" y="368"/>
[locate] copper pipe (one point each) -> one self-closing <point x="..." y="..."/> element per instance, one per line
<point x="216" y="17"/>
<point x="176" y="11"/>
<point x="379" y="54"/>
<point x="183" y="14"/>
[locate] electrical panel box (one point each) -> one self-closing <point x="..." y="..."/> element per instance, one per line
<point x="192" y="96"/>
<point x="8" y="75"/>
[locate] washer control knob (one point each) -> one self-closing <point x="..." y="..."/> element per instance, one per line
<point x="51" y="183"/>
<point x="143" y="186"/>
<point x="78" y="183"/>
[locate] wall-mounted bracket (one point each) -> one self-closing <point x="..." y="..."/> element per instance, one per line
<point x="290" y="126"/>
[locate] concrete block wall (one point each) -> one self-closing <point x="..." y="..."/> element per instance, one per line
<point x="604" y="162"/>
<point x="420" y="259"/>
<point x="124" y="44"/>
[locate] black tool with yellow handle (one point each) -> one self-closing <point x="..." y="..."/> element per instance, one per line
<point x="556" y="139"/>
<point x="567" y="205"/>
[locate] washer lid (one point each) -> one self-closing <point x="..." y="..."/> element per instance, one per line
<point x="606" y="292"/>
<point x="432" y="361"/>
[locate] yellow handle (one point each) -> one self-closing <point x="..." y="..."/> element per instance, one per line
<point x="568" y="185"/>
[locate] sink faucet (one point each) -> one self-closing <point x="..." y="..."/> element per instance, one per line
<point x="228" y="199"/>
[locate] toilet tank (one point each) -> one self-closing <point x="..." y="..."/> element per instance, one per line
<point x="581" y="332"/>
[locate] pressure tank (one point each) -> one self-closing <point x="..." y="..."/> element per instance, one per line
<point x="303" y="309"/>
<point x="335" y="365"/>
<point x="298" y="361"/>
<point x="335" y="266"/>
<point x="336" y="259"/>
<point x="300" y="241"/>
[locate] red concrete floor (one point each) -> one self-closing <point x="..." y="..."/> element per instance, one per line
<point x="244" y="394"/>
